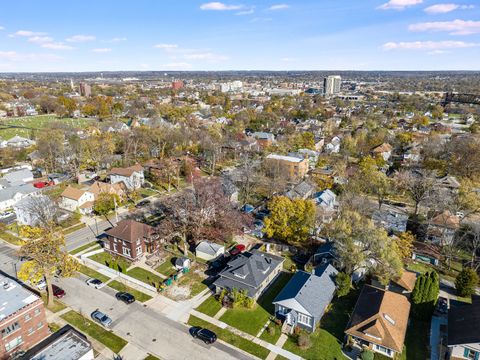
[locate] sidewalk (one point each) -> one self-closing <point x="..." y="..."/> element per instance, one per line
<point x="273" y="348"/>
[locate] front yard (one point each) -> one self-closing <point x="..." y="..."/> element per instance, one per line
<point x="210" y="307"/>
<point x="326" y="342"/>
<point x="145" y="276"/>
<point x="115" y="263"/>
<point x="92" y="273"/>
<point x="94" y="245"/>
<point x="252" y="320"/>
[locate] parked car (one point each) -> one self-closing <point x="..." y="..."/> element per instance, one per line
<point x="41" y="285"/>
<point x="6" y="214"/>
<point x="58" y="292"/>
<point x="218" y="263"/>
<point x="97" y="284"/>
<point x="125" y="297"/>
<point x="42" y="184"/>
<point x="101" y="318"/>
<point x="209" y="337"/>
<point x="237" y="249"/>
<point x="442" y="305"/>
<point x="262" y="214"/>
<point x="142" y="203"/>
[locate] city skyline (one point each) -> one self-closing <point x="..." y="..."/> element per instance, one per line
<point x="240" y="35"/>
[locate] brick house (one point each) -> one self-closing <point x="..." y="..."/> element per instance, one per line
<point x="288" y="167"/>
<point x="131" y="239"/>
<point x="23" y="322"/>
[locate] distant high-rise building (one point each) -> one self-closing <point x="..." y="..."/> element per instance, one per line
<point x="85" y="89"/>
<point x="177" y="84"/>
<point x="331" y="85"/>
<point x="71" y="85"/>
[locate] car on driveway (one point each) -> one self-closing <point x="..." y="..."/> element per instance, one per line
<point x="142" y="203"/>
<point x="101" y="318"/>
<point x="237" y="249"/>
<point x="209" y="337"/>
<point x="58" y="292"/>
<point x="442" y="306"/>
<point x="97" y="284"/>
<point x="125" y="297"/>
<point x="41" y="285"/>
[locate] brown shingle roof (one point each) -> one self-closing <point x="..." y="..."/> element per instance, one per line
<point x="128" y="171"/>
<point x="100" y="187"/>
<point x="380" y="317"/>
<point x="385" y="147"/>
<point x="72" y="193"/>
<point x="130" y="230"/>
<point x="446" y="219"/>
<point x="407" y="280"/>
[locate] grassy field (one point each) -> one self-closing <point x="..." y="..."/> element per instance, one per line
<point x="145" y="276"/>
<point x="84" y="247"/>
<point x="92" y="273"/>
<point x="139" y="296"/>
<point x="25" y="126"/>
<point x="252" y="320"/>
<point x="12" y="239"/>
<point x="151" y="357"/>
<point x="231" y="338"/>
<point x="118" y="264"/>
<point x="272" y="335"/>
<point x="210" y="306"/>
<point x="166" y="268"/>
<point x="194" y="281"/>
<point x="107" y="338"/>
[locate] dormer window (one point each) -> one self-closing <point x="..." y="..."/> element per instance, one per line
<point x="241" y="276"/>
<point x="373" y="336"/>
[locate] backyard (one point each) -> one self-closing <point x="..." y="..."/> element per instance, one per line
<point x="252" y="320"/>
<point x="166" y="268"/>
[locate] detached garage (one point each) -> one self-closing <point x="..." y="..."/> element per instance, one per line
<point x="209" y="251"/>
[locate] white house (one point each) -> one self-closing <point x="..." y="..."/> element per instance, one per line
<point x="132" y="176"/>
<point x="327" y="204"/>
<point x="333" y="146"/>
<point x="207" y="250"/>
<point x="19" y="142"/>
<point x="31" y="209"/>
<point x="11" y="195"/>
<point x="73" y="199"/>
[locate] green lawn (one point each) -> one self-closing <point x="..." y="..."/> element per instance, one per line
<point x="194" y="281"/>
<point x="327" y="340"/>
<point x="92" y="273"/>
<point x="118" y="263"/>
<point x="252" y="320"/>
<point x="84" y="247"/>
<point x="416" y="340"/>
<point x="12" y="239"/>
<point x="107" y="338"/>
<point x="210" y="307"/>
<point x="139" y="296"/>
<point x="273" y="335"/>
<point x="144" y="192"/>
<point x="151" y="357"/>
<point x="231" y="338"/>
<point x="57" y="305"/>
<point x="166" y="268"/>
<point x="24" y="126"/>
<point x="145" y="276"/>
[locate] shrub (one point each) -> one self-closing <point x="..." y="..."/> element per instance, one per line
<point x="296" y="330"/>
<point x="466" y="282"/>
<point x="344" y="284"/>
<point x="367" y="355"/>
<point x="271" y="330"/>
<point x="304" y="341"/>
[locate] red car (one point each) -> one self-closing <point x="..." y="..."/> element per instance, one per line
<point x="58" y="292"/>
<point x="42" y="184"/>
<point x="237" y="249"/>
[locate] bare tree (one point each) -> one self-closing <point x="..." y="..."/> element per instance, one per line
<point x="40" y="210"/>
<point x="418" y="186"/>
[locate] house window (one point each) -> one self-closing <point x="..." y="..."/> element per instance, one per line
<point x="115" y="247"/>
<point x="107" y="245"/>
<point x="138" y="241"/>
<point x="471" y="354"/>
<point x="27" y="317"/>
<point x="304" y="319"/>
<point x="14" y="343"/>
<point x="30" y="331"/>
<point x="10" y="329"/>
<point x="40" y="325"/>
<point x="126" y="251"/>
<point x="382" y="349"/>
<point x="37" y="312"/>
<point x="139" y="250"/>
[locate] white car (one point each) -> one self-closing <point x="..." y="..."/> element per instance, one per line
<point x="6" y="214"/>
<point x="41" y="285"/>
<point x="97" y="284"/>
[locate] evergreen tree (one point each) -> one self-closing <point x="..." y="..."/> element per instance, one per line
<point x="466" y="282"/>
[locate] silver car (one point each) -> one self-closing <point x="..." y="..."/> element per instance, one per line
<point x="101" y="318"/>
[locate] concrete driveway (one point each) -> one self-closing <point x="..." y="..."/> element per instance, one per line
<point x="143" y="326"/>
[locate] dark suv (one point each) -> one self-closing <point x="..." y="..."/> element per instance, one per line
<point x="209" y="337"/>
<point x="125" y="297"/>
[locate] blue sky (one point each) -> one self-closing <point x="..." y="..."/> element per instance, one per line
<point x="112" y="35"/>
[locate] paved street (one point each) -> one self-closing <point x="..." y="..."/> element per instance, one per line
<point x="8" y="259"/>
<point x="142" y="326"/>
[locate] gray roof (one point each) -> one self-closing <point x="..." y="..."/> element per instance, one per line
<point x="302" y="191"/>
<point x="309" y="293"/>
<point x="13" y="297"/>
<point x="391" y="220"/>
<point x="9" y="192"/>
<point x="18" y="175"/>
<point x="208" y="247"/>
<point x="248" y="270"/>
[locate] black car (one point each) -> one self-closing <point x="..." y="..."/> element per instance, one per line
<point x="125" y="297"/>
<point x="142" y="203"/>
<point x="209" y="337"/>
<point x="442" y="306"/>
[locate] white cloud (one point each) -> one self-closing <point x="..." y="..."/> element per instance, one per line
<point x="399" y="4"/>
<point x="208" y="56"/>
<point x="102" y="50"/>
<point x="279" y="7"/>
<point x="14" y="56"/>
<point x="166" y="46"/>
<point x="245" y="12"/>
<point x="57" y="46"/>
<point x="438" y="52"/>
<point x="455" y="27"/>
<point x="81" y="38"/>
<point x="27" y="33"/>
<point x="218" y="6"/>
<point x="40" y="39"/>
<point x="117" y="39"/>
<point x="177" y="66"/>
<point x="446" y="8"/>
<point x="288" y="59"/>
<point x="428" y="45"/>
<point x="2" y="28"/>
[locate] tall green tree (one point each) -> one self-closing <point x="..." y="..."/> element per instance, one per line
<point x="466" y="282"/>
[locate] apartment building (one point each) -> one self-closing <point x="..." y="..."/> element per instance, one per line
<point x="288" y="167"/>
